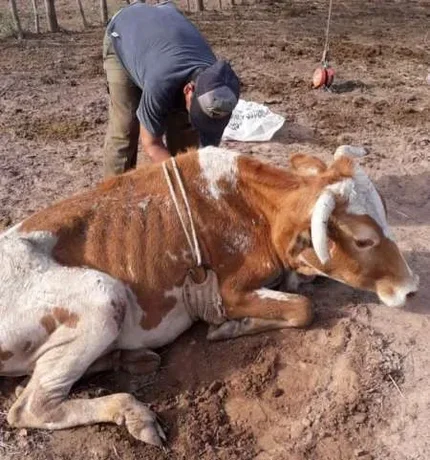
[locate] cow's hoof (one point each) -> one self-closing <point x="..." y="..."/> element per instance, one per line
<point x="143" y="425"/>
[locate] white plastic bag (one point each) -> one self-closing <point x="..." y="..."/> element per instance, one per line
<point x="252" y="122"/>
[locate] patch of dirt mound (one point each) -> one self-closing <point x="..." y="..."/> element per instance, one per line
<point x="324" y="399"/>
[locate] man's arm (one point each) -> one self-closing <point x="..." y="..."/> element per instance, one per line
<point x="153" y="146"/>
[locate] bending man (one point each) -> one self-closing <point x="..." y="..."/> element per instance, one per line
<point x="164" y="81"/>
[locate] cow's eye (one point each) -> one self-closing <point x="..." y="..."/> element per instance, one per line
<point x="363" y="244"/>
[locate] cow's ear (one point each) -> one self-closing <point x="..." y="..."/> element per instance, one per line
<point x="307" y="165"/>
<point x="301" y="242"/>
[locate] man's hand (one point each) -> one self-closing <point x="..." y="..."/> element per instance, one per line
<point x="153" y="146"/>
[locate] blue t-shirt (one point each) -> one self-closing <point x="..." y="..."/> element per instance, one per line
<point x="160" y="49"/>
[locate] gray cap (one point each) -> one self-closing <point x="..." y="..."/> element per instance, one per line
<point x="216" y="95"/>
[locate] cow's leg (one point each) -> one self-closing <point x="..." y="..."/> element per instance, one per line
<point x="245" y="326"/>
<point x="141" y="361"/>
<point x="263" y="310"/>
<point x="137" y="362"/>
<point x="62" y="360"/>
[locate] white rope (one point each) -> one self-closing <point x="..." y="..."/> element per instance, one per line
<point x="326" y="44"/>
<point x="192" y="240"/>
<point x="202" y="300"/>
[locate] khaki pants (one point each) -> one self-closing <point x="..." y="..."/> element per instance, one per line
<point x="122" y="137"/>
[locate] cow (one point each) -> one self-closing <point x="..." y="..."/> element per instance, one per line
<point x="100" y="280"/>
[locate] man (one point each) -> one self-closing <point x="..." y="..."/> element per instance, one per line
<point x="163" y="80"/>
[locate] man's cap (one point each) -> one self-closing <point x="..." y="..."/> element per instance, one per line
<point x="216" y="94"/>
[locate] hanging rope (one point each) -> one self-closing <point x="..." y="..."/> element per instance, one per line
<point x="327" y="32"/>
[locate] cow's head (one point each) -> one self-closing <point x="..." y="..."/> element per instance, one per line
<point x="349" y="239"/>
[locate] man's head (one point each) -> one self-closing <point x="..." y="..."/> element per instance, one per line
<point x="210" y="99"/>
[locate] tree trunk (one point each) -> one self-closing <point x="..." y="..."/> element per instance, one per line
<point x="51" y="15"/>
<point x="81" y="10"/>
<point x="16" y="21"/>
<point x="104" y="11"/>
<point x="36" y="16"/>
<point x="199" y="5"/>
<point x="220" y="4"/>
<point x="188" y="5"/>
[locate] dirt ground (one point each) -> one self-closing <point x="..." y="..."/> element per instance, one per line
<point x="356" y="384"/>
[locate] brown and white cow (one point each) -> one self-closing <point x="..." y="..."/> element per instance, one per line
<point x="96" y="281"/>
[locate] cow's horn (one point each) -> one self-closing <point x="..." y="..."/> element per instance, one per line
<point x="324" y="206"/>
<point x="365" y="185"/>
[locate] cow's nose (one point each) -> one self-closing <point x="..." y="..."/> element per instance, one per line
<point x="413" y="289"/>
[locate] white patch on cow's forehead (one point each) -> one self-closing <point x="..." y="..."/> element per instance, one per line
<point x="362" y="199"/>
<point x="218" y="164"/>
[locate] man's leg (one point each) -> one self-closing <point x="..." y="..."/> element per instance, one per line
<point x="180" y="134"/>
<point x="122" y="137"/>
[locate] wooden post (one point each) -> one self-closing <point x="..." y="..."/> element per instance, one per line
<point x="199" y="5"/>
<point x="15" y="17"/>
<point x="104" y="12"/>
<point x="51" y="15"/>
<point x="36" y="16"/>
<point x="81" y="10"/>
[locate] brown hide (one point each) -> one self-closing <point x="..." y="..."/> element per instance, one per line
<point x="128" y="227"/>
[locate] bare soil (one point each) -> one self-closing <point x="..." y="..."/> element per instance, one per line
<point x="356" y="384"/>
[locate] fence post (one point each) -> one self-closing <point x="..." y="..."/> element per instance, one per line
<point x="104" y="11"/>
<point x="51" y="15"/>
<point x="15" y="17"/>
<point x="82" y="12"/>
<point x="36" y="16"/>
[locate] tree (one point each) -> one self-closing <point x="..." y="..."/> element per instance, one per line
<point x="81" y="10"/>
<point x="15" y="17"/>
<point x="36" y="16"/>
<point x="51" y="15"/>
<point x="199" y="5"/>
<point x="104" y="11"/>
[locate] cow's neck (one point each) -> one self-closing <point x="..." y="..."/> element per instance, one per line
<point x="269" y="188"/>
<point x="284" y="198"/>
